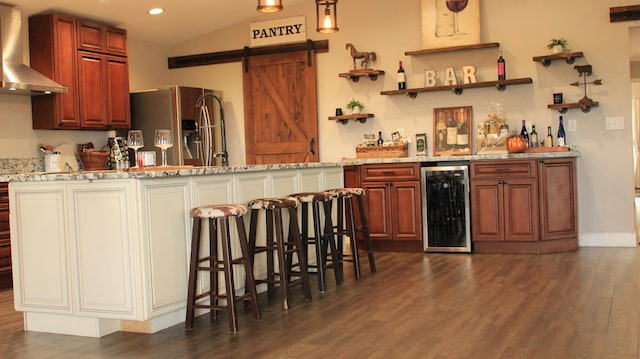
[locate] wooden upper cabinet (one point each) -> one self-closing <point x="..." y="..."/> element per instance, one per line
<point x="90" y="60"/>
<point x="101" y="38"/>
<point x="117" y="88"/>
<point x="52" y="45"/>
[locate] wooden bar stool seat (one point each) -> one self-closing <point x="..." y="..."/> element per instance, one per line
<point x="276" y="244"/>
<point x="218" y="219"/>
<point x="323" y="238"/>
<point x="345" y="208"/>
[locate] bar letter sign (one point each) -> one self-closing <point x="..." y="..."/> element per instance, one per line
<point x="292" y="29"/>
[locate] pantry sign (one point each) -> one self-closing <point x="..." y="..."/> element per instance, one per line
<point x="292" y="29"/>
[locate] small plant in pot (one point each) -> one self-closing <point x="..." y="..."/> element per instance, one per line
<point x="558" y="45"/>
<point x="355" y="106"/>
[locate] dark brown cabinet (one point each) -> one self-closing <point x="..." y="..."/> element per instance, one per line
<point x="103" y="77"/>
<point x="393" y="201"/>
<point x="5" y="238"/>
<point x="89" y="59"/>
<point x="558" y="204"/>
<point x="52" y="47"/>
<point x="516" y="205"/>
<point x="100" y="38"/>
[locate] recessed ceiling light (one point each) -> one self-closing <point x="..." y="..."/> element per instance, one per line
<point x="156" y="11"/>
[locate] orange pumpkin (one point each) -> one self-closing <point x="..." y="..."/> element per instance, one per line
<point x="516" y="144"/>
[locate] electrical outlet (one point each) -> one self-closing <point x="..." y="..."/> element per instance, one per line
<point x="572" y="125"/>
<point x="614" y="123"/>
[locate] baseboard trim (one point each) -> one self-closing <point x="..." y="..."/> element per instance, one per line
<point x="607" y="240"/>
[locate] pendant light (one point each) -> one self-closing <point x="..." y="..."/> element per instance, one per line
<point x="327" y="17"/>
<point x="269" y="6"/>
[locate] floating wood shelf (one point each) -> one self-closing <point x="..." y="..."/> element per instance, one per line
<point x="457" y="89"/>
<point x="355" y="75"/>
<point x="452" y="49"/>
<point x="344" y="119"/>
<point x="569" y="57"/>
<point x="563" y="107"/>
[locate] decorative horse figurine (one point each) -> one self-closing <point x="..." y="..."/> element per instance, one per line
<point x="365" y="56"/>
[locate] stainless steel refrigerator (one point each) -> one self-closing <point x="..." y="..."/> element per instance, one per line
<point x="194" y="115"/>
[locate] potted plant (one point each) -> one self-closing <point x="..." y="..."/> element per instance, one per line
<point x="558" y="45"/>
<point x="355" y="106"/>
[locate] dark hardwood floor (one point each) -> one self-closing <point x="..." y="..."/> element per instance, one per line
<point x="581" y="304"/>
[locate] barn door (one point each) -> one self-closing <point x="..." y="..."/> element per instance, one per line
<point x="280" y="105"/>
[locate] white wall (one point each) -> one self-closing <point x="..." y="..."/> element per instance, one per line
<point x="523" y="28"/>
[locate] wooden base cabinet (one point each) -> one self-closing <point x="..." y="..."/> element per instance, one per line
<point x="524" y="206"/>
<point x="394" y="205"/>
<point x="558" y="204"/>
<point x="5" y="238"/>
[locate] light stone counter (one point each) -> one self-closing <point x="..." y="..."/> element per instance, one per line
<point x="29" y="173"/>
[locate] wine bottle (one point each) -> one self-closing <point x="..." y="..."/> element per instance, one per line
<point x="402" y="78"/>
<point x="562" y="137"/>
<point x="441" y="133"/>
<point x="533" y="137"/>
<point x="549" y="141"/>
<point x="380" y="140"/>
<point x="502" y="67"/>
<point x="462" y="138"/>
<point x="452" y="132"/>
<point x="525" y="134"/>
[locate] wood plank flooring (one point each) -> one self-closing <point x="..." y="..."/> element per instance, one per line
<point x="581" y="304"/>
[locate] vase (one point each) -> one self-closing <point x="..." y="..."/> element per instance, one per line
<point x="557" y="49"/>
<point x="355" y="110"/>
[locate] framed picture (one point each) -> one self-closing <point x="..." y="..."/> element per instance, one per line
<point x="421" y="144"/>
<point x="450" y="23"/>
<point x="452" y="129"/>
<point x="369" y="139"/>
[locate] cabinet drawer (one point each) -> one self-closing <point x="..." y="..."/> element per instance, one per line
<point x="503" y="169"/>
<point x="390" y="172"/>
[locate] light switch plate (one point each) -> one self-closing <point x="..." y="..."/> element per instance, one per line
<point x="572" y="125"/>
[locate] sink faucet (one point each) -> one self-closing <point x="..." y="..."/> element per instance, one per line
<point x="223" y="154"/>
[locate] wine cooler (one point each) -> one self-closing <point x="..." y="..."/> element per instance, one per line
<point x="445" y="208"/>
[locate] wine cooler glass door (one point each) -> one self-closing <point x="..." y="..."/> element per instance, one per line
<point x="445" y="204"/>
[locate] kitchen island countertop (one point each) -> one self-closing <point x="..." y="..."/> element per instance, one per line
<point x="199" y="171"/>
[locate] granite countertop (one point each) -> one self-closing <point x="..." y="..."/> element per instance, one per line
<point x="26" y="170"/>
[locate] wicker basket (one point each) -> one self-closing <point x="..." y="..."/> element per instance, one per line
<point x="94" y="160"/>
<point x="382" y="151"/>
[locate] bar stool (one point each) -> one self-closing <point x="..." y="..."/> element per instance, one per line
<point x="218" y="215"/>
<point x="323" y="238"/>
<point x="285" y="249"/>
<point x="344" y="198"/>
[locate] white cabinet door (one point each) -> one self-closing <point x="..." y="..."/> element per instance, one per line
<point x="39" y="247"/>
<point x="102" y="219"/>
<point x="165" y="227"/>
<point x="284" y="183"/>
<point x="333" y="178"/>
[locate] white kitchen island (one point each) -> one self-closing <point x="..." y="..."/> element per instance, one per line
<point x="99" y="252"/>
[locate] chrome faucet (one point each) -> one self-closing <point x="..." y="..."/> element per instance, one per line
<point x="223" y="154"/>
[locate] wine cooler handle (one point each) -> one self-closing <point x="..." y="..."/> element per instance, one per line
<point x="311" y="143"/>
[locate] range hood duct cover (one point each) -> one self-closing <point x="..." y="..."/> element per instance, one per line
<point x="18" y="78"/>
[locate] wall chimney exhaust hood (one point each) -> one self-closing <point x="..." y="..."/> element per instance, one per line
<point x="18" y="78"/>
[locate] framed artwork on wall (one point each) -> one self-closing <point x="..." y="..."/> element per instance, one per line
<point x="452" y="131"/>
<point x="421" y="144"/>
<point x="448" y="23"/>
